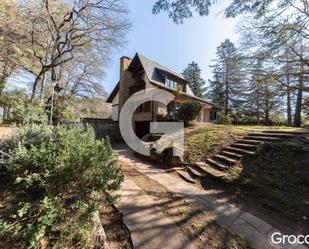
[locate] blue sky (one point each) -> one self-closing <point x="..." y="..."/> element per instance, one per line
<point x="172" y="45"/>
<point x="158" y="38"/>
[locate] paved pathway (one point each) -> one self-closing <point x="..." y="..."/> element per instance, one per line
<point x="230" y="217"/>
<point x="149" y="227"/>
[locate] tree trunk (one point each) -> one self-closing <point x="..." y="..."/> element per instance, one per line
<point x="258" y="106"/>
<point x="226" y="99"/>
<point x="6" y="72"/>
<point x="226" y="111"/>
<point x="288" y="90"/>
<point x="288" y="103"/>
<point x="35" y="86"/>
<point x="42" y="85"/>
<point x="298" y="107"/>
<point x="2" y="84"/>
<point x="267" y="121"/>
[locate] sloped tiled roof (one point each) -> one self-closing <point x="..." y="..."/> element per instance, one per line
<point x="152" y="69"/>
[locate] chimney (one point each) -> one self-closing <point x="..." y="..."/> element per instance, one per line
<point x="123" y="81"/>
<point x="124" y="63"/>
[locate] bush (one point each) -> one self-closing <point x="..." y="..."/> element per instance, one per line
<point x="224" y="119"/>
<point x="64" y="172"/>
<point x="62" y="112"/>
<point x="26" y="112"/>
<point x="188" y="112"/>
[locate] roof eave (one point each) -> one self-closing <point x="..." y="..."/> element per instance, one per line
<point x="183" y="93"/>
<point x="113" y="94"/>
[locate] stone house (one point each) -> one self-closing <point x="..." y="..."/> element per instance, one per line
<point x="140" y="73"/>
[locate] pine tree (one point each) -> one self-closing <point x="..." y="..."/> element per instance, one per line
<point x="216" y="93"/>
<point x="227" y="84"/>
<point x="193" y="75"/>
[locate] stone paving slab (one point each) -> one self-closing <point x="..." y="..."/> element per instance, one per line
<point x="247" y="226"/>
<point x="149" y="227"/>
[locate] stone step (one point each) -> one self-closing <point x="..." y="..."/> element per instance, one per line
<point x="239" y="151"/>
<point x="285" y="132"/>
<point x="281" y="135"/>
<point x="264" y="139"/>
<point x="244" y="146"/>
<point x="306" y="140"/>
<point x="208" y="170"/>
<point x="226" y="159"/>
<point x="217" y="164"/>
<point x="193" y="172"/>
<point x="249" y="141"/>
<point x="185" y="176"/>
<point x="232" y="154"/>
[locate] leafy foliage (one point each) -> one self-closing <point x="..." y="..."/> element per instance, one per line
<point x="26" y="112"/>
<point x="224" y="119"/>
<point x="63" y="110"/>
<point x="188" y="112"/>
<point x="63" y="172"/>
<point x="178" y="10"/>
<point x="181" y="9"/>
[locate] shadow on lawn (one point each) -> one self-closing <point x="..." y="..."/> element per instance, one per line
<point x="277" y="179"/>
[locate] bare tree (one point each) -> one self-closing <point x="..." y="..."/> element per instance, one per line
<point x="83" y="78"/>
<point x="60" y="31"/>
<point x="12" y="41"/>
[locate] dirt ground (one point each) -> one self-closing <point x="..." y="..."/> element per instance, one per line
<point x="117" y="234"/>
<point x="193" y="220"/>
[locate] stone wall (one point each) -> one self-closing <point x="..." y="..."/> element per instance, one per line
<point x="104" y="128"/>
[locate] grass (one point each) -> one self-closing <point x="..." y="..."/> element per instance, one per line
<point x="276" y="178"/>
<point x="203" y="140"/>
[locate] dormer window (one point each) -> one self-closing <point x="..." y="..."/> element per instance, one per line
<point x="173" y="84"/>
<point x="170" y="83"/>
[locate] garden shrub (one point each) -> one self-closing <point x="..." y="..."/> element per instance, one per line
<point x="188" y="112"/>
<point x="63" y="111"/>
<point x="224" y="119"/>
<point x="26" y="112"/>
<point x="64" y="172"/>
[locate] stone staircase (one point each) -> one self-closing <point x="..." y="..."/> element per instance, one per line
<point x="232" y="155"/>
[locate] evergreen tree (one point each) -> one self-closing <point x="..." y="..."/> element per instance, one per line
<point x="216" y="93"/>
<point x="193" y="75"/>
<point x="227" y="84"/>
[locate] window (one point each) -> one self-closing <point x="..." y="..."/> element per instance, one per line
<point x="146" y="107"/>
<point x="173" y="84"/>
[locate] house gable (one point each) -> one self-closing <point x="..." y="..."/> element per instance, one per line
<point x="159" y="76"/>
